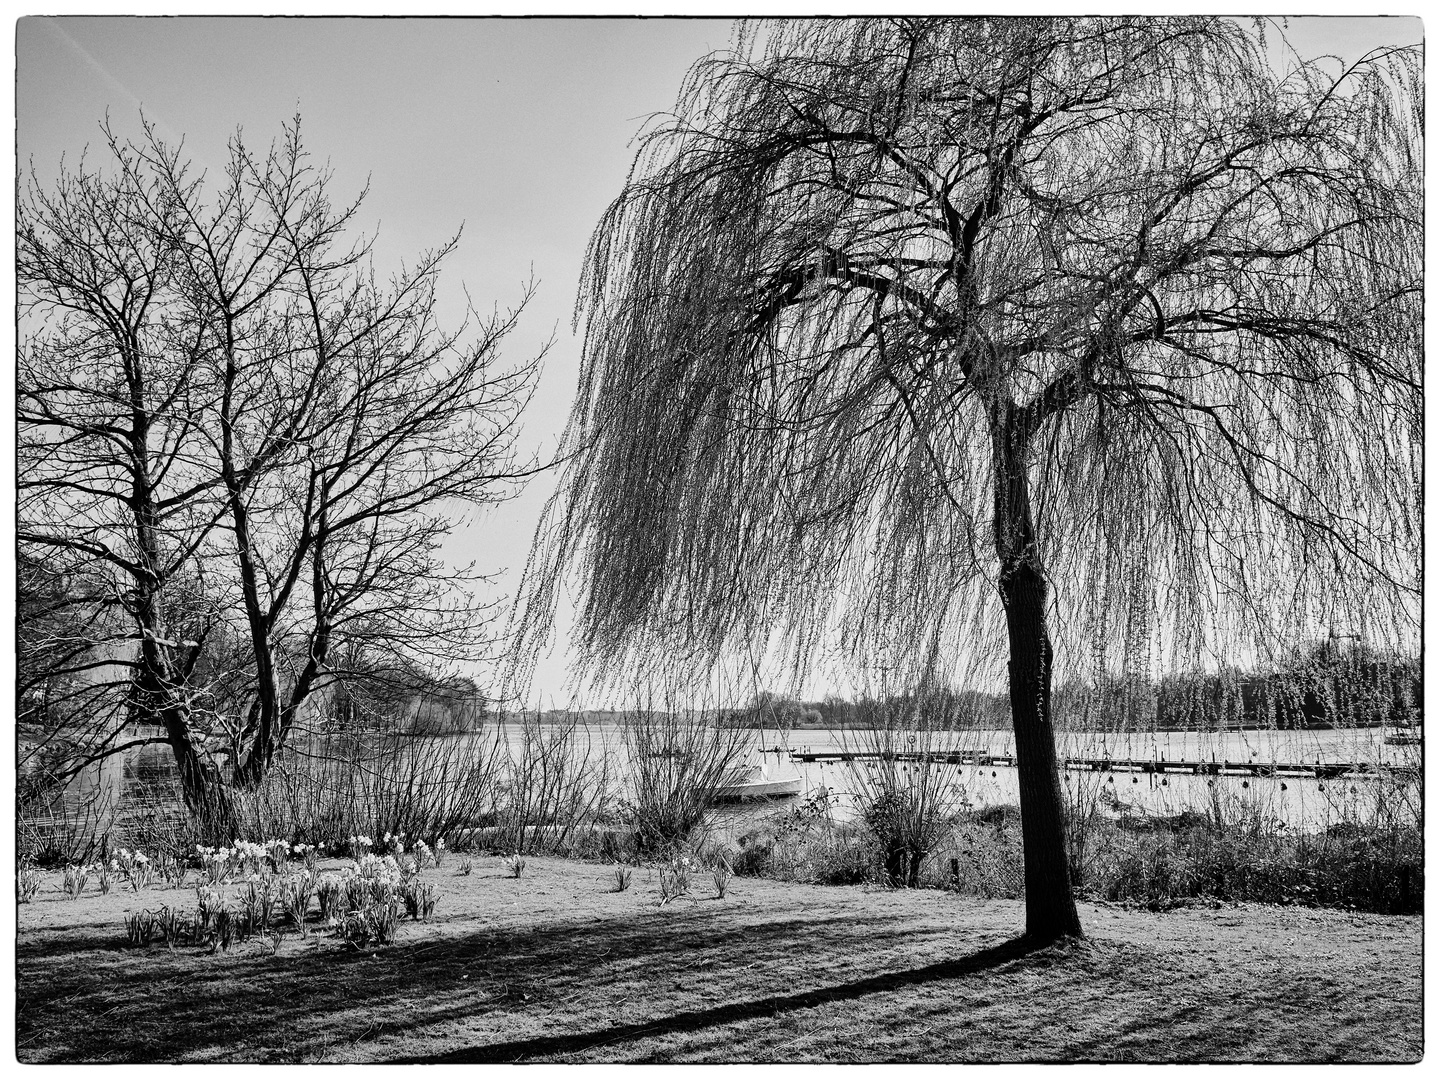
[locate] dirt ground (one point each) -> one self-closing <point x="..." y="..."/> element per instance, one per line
<point x="555" y="966"/>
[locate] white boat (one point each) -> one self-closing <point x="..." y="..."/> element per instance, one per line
<point x="1402" y="735"/>
<point x="750" y="782"/>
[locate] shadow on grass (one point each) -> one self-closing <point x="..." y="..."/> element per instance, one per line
<point x="707" y="982"/>
<point x="108" y="1001"/>
<point x="698" y="1019"/>
<point x="68" y="942"/>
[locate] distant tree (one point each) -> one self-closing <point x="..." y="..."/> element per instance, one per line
<point x="69" y="655"/>
<point x="224" y="414"/>
<point x="778" y="711"/>
<point x="54" y="643"/>
<point x="1107" y="319"/>
<point x="374" y="691"/>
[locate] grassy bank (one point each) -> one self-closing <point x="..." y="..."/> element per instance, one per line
<point x="1155" y="862"/>
<point x="557" y="966"/>
<point x="1160" y="863"/>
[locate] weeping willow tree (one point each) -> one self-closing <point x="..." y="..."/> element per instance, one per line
<point x="1113" y="321"/>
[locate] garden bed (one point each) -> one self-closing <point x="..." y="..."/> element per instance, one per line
<point x="555" y="965"/>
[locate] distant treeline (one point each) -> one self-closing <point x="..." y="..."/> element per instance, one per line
<point x="940" y="708"/>
<point x="1354" y="688"/>
<point x="1324" y="688"/>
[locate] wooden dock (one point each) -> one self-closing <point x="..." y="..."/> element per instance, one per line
<point x="1320" y="770"/>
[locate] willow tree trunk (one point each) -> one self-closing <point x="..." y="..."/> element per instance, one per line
<point x="1049" y="900"/>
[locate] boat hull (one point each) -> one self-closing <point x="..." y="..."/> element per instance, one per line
<point x="759" y="789"/>
<point x="1402" y="740"/>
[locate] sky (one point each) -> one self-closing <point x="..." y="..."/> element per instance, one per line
<point x="518" y="129"/>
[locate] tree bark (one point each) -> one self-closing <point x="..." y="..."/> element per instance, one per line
<point x="158" y="695"/>
<point x="268" y="737"/>
<point x="201" y="785"/>
<point x="1049" y="898"/>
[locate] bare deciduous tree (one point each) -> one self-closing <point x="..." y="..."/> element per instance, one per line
<point x="110" y="485"/>
<point x="216" y="389"/>
<point x="1116" y="321"/>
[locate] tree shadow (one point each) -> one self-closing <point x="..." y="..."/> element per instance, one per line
<point x="694" y="1020"/>
<point x="74" y="1003"/>
<point x="80" y="940"/>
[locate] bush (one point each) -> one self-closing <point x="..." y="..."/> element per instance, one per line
<point x="341" y="785"/>
<point x="756" y="855"/>
<point x="1238" y="854"/>
<point x="804" y="843"/>
<point x="52" y="831"/>
<point x="986" y="845"/>
<point x="911" y="793"/>
<point x="554" y="781"/>
<point x="839" y="857"/>
<point x="679" y="760"/>
<point x="605" y="844"/>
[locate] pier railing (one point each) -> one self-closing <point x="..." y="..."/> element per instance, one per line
<point x="1321" y="770"/>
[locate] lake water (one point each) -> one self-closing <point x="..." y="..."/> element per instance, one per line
<point x="1302" y="802"/>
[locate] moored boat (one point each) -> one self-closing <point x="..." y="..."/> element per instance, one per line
<point x="1402" y="735"/>
<point x="749" y="782"/>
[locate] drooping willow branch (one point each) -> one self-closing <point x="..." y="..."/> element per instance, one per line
<point x="1189" y="280"/>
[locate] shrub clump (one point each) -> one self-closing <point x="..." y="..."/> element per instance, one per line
<point x="804" y="843"/>
<point x="1375" y="869"/>
<point x="1156" y="862"/>
<point x="1166" y="862"/>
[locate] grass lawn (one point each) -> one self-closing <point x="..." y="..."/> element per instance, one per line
<point x="555" y="967"/>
